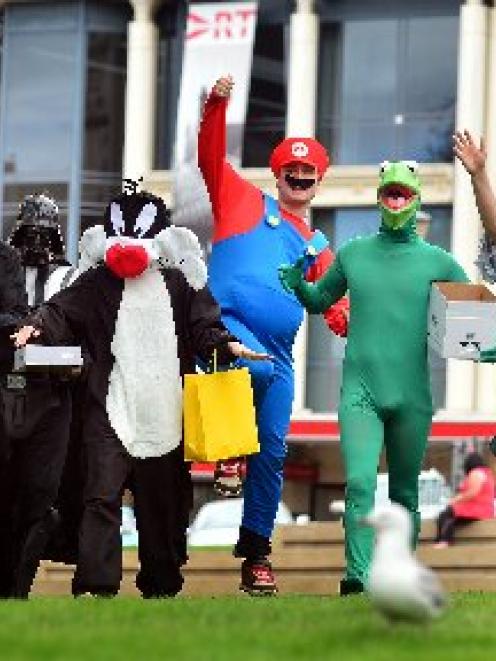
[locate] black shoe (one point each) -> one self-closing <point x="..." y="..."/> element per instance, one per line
<point x="257" y="578"/>
<point x="349" y="586"/>
<point x="32" y="552"/>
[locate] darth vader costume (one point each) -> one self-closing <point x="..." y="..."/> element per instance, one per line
<point x="36" y="411"/>
<point x="144" y="313"/>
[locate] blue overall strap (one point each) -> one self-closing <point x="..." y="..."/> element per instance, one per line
<point x="313" y="246"/>
<point x="272" y="215"/>
<point x="317" y="244"/>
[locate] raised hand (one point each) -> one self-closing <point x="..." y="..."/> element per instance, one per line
<point x="472" y="157"/>
<point x="223" y="86"/>
<point x="291" y="275"/>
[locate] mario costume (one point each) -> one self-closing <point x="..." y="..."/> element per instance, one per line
<point x="252" y="236"/>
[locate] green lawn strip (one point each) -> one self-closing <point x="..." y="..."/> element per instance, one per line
<point x="221" y="628"/>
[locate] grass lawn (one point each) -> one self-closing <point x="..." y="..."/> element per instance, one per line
<point x="234" y="628"/>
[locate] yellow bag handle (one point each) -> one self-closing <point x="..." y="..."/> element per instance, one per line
<point x="214" y="363"/>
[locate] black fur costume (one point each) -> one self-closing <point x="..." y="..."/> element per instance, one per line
<point x="143" y="333"/>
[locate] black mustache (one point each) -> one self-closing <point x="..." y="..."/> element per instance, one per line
<point x="299" y="184"/>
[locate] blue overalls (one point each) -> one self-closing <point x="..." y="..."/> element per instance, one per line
<point x="243" y="277"/>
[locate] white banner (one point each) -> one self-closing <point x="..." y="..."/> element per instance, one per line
<point x="219" y="40"/>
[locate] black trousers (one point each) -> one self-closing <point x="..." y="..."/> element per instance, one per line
<point x="34" y="438"/>
<point x="63" y="544"/>
<point x="447" y="523"/>
<point x="162" y="492"/>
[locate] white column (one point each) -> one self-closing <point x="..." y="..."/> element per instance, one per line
<point x="140" y="90"/>
<point x="486" y="374"/>
<point x="461" y="376"/>
<point x="302" y="70"/>
<point x="300" y="121"/>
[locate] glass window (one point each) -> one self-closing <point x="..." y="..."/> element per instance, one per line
<point x="37" y="16"/>
<point x="171" y="20"/>
<point x="104" y="117"/>
<point x="266" y="113"/>
<point x="108" y="17"/>
<point x="325" y="351"/>
<point x="63" y="69"/>
<point x="429" y="92"/>
<point x="104" y="122"/>
<point x="40" y="103"/>
<point x="387" y="81"/>
<point x="41" y="79"/>
<point x="1" y="39"/>
<point x="439" y="230"/>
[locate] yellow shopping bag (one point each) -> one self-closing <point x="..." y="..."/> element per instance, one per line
<point x="219" y="416"/>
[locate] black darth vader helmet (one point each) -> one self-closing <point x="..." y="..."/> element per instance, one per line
<point x="36" y="235"/>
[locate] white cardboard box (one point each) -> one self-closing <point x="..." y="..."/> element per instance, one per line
<point x="462" y="320"/>
<point x="38" y="358"/>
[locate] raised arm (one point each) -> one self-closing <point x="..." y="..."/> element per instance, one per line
<point x="236" y="203"/>
<point x="474" y="159"/>
<point x="316" y="298"/>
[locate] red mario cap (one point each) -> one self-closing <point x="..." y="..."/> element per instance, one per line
<point x="299" y="150"/>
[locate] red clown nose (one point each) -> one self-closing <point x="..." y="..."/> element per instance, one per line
<point x="127" y="261"/>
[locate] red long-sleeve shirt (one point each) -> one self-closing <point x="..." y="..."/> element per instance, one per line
<point x="238" y="205"/>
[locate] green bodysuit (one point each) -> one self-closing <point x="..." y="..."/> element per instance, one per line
<point x="385" y="394"/>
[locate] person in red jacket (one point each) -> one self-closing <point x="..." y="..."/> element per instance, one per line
<point x="473" y="502"/>
<point x="253" y="234"/>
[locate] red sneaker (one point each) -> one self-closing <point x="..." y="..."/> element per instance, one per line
<point x="228" y="477"/>
<point x="257" y="578"/>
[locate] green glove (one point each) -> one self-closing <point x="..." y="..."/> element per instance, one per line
<point x="292" y="276"/>
<point x="488" y="356"/>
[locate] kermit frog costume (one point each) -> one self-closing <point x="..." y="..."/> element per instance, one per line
<point x="385" y="394"/>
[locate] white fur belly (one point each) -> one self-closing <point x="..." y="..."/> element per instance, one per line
<point x="144" y="400"/>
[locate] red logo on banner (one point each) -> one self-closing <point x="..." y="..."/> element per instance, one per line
<point x="223" y="25"/>
<point x="194" y="23"/>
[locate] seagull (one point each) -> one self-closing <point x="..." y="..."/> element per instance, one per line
<point x="399" y="586"/>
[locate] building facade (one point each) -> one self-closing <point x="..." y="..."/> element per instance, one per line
<point x="89" y="94"/>
<point x="373" y="80"/>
